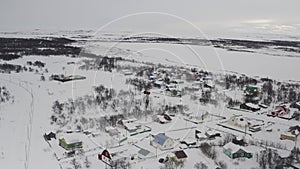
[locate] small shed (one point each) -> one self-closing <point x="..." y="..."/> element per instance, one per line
<point x="49" y="136"/>
<point x="143" y="153"/>
<point x="180" y="155"/>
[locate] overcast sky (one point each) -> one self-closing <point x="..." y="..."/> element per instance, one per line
<point x="273" y="16"/>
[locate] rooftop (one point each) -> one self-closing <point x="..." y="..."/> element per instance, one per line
<point x="233" y="147"/>
<point x="160" y="138"/>
<point x="180" y="154"/>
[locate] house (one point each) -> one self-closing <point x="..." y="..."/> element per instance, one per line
<point x="132" y="127"/>
<point x="288" y="136"/>
<point x="251" y="91"/>
<point x="114" y="156"/>
<point x="70" y="144"/>
<point x="49" y="136"/>
<point x="105" y="157"/>
<point x="250" y="106"/>
<point x="159" y="84"/>
<point x="167" y="117"/>
<point x="239" y="141"/>
<point x="70" y="153"/>
<point x="296" y="105"/>
<point x="199" y="135"/>
<point x="295" y="128"/>
<point x="127" y="72"/>
<point x="151" y="76"/>
<point x="263" y="106"/>
<point x="291" y="134"/>
<point x="162" y="142"/>
<point x="211" y="134"/>
<point x="189" y="142"/>
<point x="279" y="111"/>
<point x="180" y="155"/>
<point x="254" y="128"/>
<point x="235" y="151"/>
<point x="63" y="78"/>
<point x="122" y="123"/>
<point x="163" y="118"/>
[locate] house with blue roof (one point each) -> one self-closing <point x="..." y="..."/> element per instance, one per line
<point x="162" y="142"/>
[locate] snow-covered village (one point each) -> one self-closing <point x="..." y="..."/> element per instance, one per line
<point x="106" y="99"/>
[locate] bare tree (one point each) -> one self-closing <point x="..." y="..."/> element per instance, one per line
<point x="75" y="164"/>
<point x="87" y="163"/>
<point x="200" y="165"/>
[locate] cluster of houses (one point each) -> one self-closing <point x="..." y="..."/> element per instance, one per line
<point x="283" y="111"/>
<point x="170" y="81"/>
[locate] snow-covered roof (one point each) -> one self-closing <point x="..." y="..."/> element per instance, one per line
<point x="162" y="119"/>
<point x="108" y="128"/>
<point x="287" y="133"/>
<point x="255" y="106"/>
<point x="201" y="135"/>
<point x="70" y="139"/>
<point x="127" y="72"/>
<point x="131" y="126"/>
<point x="211" y="132"/>
<point x="232" y="147"/>
<point x="190" y="140"/>
<point x="129" y="120"/>
<point x="239" y="138"/>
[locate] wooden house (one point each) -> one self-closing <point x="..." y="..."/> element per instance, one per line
<point x="69" y="144"/>
<point x="235" y="151"/>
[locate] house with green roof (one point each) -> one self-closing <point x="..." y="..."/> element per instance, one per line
<point x="235" y="151"/>
<point x="251" y="90"/>
<point x="70" y="144"/>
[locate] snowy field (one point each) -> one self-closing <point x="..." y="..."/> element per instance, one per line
<point x="24" y="121"/>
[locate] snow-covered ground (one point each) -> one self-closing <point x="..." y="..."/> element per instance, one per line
<point x="207" y="57"/>
<point x="23" y="122"/>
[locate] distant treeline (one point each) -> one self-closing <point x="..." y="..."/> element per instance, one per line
<point x="13" y="48"/>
